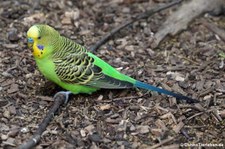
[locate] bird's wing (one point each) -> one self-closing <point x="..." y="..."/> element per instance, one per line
<point x="80" y="69"/>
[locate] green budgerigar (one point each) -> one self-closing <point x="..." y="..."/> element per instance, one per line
<point x="75" y="69"/>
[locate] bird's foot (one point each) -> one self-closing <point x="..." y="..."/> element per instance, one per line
<point x="65" y="93"/>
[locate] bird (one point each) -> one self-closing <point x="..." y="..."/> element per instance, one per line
<point x="77" y="70"/>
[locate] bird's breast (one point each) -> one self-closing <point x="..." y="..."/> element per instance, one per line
<point x="47" y="68"/>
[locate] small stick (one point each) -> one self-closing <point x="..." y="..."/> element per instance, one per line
<point x="59" y="99"/>
<point x="161" y="143"/>
<point x="184" y="132"/>
<point x="143" y="15"/>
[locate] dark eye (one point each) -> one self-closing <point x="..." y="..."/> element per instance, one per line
<point x="39" y="37"/>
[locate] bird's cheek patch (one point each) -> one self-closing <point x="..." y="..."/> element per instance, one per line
<point x="40" y="47"/>
<point x="38" y="50"/>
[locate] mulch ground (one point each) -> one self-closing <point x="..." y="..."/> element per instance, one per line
<point x="188" y="63"/>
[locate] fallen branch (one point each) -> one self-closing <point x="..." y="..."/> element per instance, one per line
<point x="59" y="99"/>
<point x="143" y="15"/>
<point x="180" y="19"/>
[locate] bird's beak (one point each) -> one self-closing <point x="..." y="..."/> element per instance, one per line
<point x="30" y="42"/>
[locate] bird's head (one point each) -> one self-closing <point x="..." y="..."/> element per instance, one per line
<point x="41" y="39"/>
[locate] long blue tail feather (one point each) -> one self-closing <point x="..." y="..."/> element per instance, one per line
<point x="163" y="91"/>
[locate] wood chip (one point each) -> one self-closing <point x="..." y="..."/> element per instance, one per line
<point x="157" y="132"/>
<point x="222" y="113"/>
<point x="142" y="129"/>
<point x="13" y="88"/>
<point x="178" y="127"/>
<point x="160" y="124"/>
<point x="105" y="107"/>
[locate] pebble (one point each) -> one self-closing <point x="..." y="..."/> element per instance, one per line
<point x="24" y="130"/>
<point x="132" y="128"/>
<point x="82" y="133"/>
<point x="4" y="137"/>
<point x="95" y="137"/>
<point x="6" y="114"/>
<point x="13" y="35"/>
<point x="29" y="75"/>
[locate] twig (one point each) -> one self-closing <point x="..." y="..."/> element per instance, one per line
<point x="161" y="143"/>
<point x="126" y="98"/>
<point x="17" y="63"/>
<point x="59" y="99"/>
<point x="185" y="133"/>
<point x="143" y="15"/>
<point x="195" y="107"/>
<point x="197" y="114"/>
<point x="200" y="113"/>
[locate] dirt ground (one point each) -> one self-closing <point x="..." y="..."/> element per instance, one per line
<point x="188" y="63"/>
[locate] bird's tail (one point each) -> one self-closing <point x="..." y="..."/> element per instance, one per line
<point x="163" y="91"/>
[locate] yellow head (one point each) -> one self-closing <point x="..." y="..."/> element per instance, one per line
<point x="41" y="38"/>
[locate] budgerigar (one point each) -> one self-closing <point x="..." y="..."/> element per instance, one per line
<point x="75" y="69"/>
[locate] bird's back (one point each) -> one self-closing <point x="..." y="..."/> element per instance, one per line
<point x="74" y="64"/>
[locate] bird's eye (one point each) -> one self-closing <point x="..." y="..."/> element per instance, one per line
<point x="39" y="37"/>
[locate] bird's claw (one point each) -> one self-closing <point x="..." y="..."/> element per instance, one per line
<point x="65" y="93"/>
